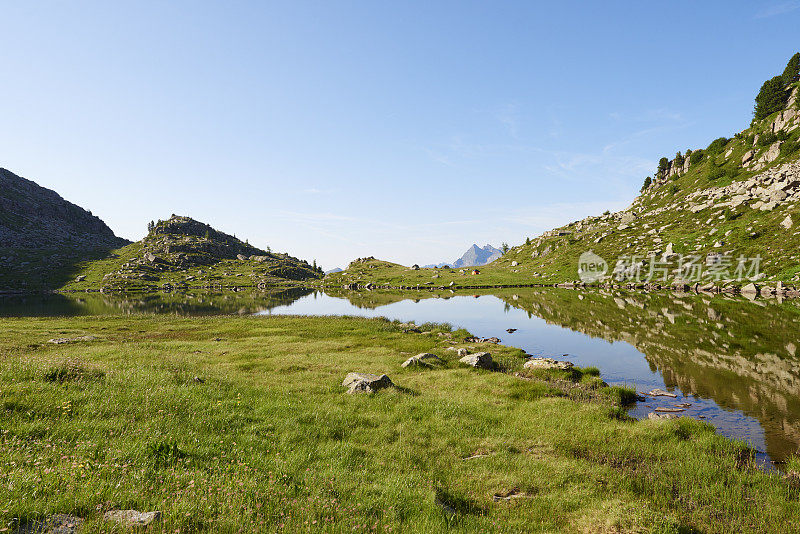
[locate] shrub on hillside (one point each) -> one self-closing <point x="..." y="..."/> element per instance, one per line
<point x="717" y="145"/>
<point x="771" y="98"/>
<point x="767" y="139"/>
<point x="790" y="147"/>
<point x="715" y="173"/>
<point x="696" y="157"/>
<point x="647" y="182"/>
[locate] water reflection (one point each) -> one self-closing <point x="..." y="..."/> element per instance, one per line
<point x="177" y="302"/>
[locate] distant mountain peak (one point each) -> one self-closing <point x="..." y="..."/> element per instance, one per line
<point x="474" y="255"/>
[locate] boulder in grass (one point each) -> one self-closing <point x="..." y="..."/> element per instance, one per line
<point x="751" y="289"/>
<point x="65" y="340"/>
<point x="426" y="359"/>
<point x="547" y="363"/>
<point x="132" y="518"/>
<point x="479" y="360"/>
<point x="366" y="383"/>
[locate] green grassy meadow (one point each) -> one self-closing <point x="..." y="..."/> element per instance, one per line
<point x="240" y="424"/>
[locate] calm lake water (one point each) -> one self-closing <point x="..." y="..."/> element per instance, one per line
<point x="734" y="361"/>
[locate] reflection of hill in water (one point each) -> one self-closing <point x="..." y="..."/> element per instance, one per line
<point x="375" y="299"/>
<point x="742" y="355"/>
<point x="180" y="303"/>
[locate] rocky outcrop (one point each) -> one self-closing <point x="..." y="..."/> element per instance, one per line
<point x="33" y="217"/>
<point x="764" y="191"/>
<point x="182" y="243"/>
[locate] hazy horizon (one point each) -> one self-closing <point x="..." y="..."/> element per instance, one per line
<point x="407" y="132"/>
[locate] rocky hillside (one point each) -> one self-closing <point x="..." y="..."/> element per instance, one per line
<point x="42" y="236"/>
<point x="34" y="217"/>
<point x="736" y="198"/>
<point x="181" y="253"/>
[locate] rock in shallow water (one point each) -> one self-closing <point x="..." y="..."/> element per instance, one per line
<point x="660" y="416"/>
<point x="660" y="393"/>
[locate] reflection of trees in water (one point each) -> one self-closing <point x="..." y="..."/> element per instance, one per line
<point x="180" y="303"/>
<point x="740" y="354"/>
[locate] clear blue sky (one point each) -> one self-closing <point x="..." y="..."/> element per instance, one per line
<point x="403" y="130"/>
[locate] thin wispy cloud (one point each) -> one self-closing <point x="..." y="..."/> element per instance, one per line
<point x="509" y="117"/>
<point x="542" y="218"/>
<point x="314" y="217"/>
<point x="576" y="165"/>
<point x="778" y="9"/>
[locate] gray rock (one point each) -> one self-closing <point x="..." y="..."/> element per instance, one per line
<point x="479" y="360"/>
<point x="661" y="393"/>
<point x="65" y="340"/>
<point x="787" y="222"/>
<point x="426" y="359"/>
<point x="366" y="383"/>
<point x="750" y="289"/>
<point x="660" y="416"/>
<point x="132" y="518"/>
<point x="241" y="257"/>
<point x="547" y="363"/>
<point x="80" y="278"/>
<point x="55" y="524"/>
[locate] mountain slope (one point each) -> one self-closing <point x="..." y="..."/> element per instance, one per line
<point x="182" y="252"/>
<point x="43" y="236"/>
<point x="32" y="216"/>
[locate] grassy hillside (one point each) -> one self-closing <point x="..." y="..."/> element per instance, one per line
<point x="736" y="197"/>
<point x="241" y="424"/>
<point x="184" y="253"/>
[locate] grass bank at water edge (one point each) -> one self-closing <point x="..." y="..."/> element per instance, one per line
<point x="240" y="424"/>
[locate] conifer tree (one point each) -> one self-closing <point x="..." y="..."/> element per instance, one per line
<point x="792" y="72"/>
